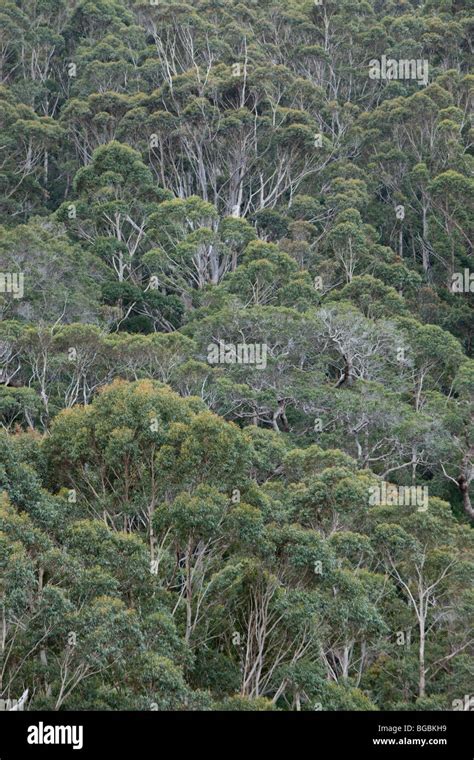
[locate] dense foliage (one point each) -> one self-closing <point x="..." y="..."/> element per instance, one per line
<point x="180" y="529"/>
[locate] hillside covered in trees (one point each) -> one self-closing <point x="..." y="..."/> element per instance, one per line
<point x="236" y="373"/>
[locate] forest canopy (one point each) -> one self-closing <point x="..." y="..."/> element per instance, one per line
<point x="236" y="354"/>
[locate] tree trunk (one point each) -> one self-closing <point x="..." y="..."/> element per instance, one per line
<point x="466" y="499"/>
<point x="422" y="669"/>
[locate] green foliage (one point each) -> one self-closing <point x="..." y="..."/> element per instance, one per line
<point x="181" y="181"/>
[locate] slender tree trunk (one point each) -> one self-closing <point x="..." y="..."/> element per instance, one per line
<point x="421" y="651"/>
<point x="424" y="244"/>
<point x="189" y="594"/>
